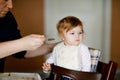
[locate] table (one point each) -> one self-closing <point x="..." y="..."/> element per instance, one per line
<point x="19" y="76"/>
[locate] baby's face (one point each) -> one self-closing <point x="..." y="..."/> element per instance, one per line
<point x="73" y="37"/>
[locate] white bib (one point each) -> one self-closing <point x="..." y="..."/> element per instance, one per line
<point x="69" y="57"/>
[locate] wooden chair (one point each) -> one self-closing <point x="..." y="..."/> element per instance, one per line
<point x="108" y="70"/>
<point x="99" y="70"/>
<point x="104" y="72"/>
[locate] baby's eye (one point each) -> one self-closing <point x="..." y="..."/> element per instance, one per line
<point x="72" y="33"/>
<point x="80" y="32"/>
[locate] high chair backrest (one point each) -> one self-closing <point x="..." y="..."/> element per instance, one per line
<point x="74" y="75"/>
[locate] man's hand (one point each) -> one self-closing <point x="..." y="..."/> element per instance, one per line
<point x="32" y="42"/>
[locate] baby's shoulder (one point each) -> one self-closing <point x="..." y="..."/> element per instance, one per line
<point x="61" y="44"/>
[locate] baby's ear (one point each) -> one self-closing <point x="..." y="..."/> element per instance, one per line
<point x="61" y="36"/>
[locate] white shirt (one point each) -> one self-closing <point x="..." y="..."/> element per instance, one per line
<point x="71" y="57"/>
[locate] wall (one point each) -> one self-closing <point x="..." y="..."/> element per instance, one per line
<point x="29" y="15"/>
<point x="115" y="31"/>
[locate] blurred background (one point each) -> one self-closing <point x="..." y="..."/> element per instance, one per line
<point x="100" y="20"/>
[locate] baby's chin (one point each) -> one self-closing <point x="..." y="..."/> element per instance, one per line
<point x="74" y="44"/>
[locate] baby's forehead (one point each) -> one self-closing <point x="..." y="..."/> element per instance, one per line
<point x="77" y="28"/>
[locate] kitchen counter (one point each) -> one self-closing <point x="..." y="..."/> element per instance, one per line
<point x="19" y="76"/>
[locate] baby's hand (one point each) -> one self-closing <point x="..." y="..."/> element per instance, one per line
<point x="46" y="67"/>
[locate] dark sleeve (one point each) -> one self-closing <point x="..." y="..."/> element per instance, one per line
<point x="19" y="54"/>
<point x="9" y="31"/>
<point x="14" y="33"/>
